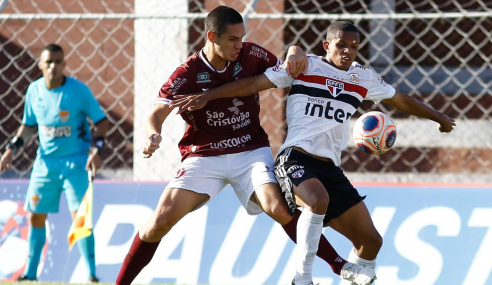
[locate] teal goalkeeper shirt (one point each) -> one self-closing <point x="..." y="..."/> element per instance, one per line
<point x="61" y="116"/>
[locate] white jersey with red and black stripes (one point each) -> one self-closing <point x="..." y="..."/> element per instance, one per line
<point x="322" y="101"/>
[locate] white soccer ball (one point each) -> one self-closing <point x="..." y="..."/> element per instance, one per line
<point x="374" y="133"/>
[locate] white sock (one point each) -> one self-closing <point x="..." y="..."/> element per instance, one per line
<point x="354" y="258"/>
<point x="309" y="228"/>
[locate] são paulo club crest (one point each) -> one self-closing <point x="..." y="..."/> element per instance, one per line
<point x="334" y="87"/>
<point x="14" y="227"/>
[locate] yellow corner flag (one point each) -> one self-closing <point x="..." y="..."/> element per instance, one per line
<point x="82" y="223"/>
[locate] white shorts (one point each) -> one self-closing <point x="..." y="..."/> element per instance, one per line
<point x="245" y="171"/>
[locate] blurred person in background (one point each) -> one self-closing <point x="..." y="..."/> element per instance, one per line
<point x="58" y="106"/>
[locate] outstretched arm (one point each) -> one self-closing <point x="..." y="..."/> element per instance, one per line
<point x="296" y="62"/>
<point x="410" y="105"/>
<point x="240" y="88"/>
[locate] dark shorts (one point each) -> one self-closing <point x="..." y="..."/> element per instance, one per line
<point x="292" y="167"/>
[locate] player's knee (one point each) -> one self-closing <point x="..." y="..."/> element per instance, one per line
<point x="282" y="216"/>
<point x="280" y="213"/>
<point x="319" y="205"/>
<point x="37" y="221"/>
<point x="373" y="242"/>
<point x="159" y="227"/>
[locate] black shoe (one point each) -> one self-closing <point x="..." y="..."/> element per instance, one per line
<point x="93" y="279"/>
<point x="25" y="278"/>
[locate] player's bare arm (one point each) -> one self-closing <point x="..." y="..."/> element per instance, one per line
<point x="239" y="88"/>
<point x="153" y="127"/>
<point x="95" y="156"/>
<point x="296" y="61"/>
<point x="24" y="134"/>
<point x="412" y="106"/>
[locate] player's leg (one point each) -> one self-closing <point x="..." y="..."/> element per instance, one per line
<point x="270" y="197"/>
<point x="36" y="238"/>
<point x="173" y="205"/>
<point x="43" y="196"/>
<point x="298" y="180"/>
<point x="356" y="224"/>
<point x="311" y="195"/>
<point x="75" y="185"/>
<point x="325" y="250"/>
<point x="352" y="219"/>
<point x="202" y="178"/>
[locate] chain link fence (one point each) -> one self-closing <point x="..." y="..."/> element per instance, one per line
<point x="437" y="51"/>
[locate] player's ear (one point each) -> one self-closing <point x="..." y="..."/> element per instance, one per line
<point x="325" y="45"/>
<point x="211" y="36"/>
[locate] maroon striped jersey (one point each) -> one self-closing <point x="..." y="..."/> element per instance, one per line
<point x="226" y="125"/>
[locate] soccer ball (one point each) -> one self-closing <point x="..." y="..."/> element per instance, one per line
<point x="374" y="133"/>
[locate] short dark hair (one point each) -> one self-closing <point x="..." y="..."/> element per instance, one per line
<point x="53" y="48"/>
<point x="219" y="18"/>
<point x="340" y="26"/>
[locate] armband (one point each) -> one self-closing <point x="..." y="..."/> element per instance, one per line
<point x="16" y="143"/>
<point x="98" y="142"/>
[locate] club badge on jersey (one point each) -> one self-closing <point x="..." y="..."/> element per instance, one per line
<point x="64" y="115"/>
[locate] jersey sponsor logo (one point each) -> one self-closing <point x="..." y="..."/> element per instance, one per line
<point x="334" y="87"/>
<point x="203" y="77"/>
<point x="64" y="115"/>
<point x="56" y="132"/>
<point x="298" y="173"/>
<point x="237" y="69"/>
<point x="177" y="83"/>
<point x="354" y="78"/>
<point x="236" y="103"/>
<point x="258" y="52"/>
<point x="219" y="119"/>
<point x="315" y="108"/>
<point x="180" y="173"/>
<point x="231" y="143"/>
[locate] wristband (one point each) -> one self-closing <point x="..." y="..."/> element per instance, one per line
<point x="98" y="143"/>
<point x="16" y="143"/>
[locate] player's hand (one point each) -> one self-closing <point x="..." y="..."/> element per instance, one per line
<point x="6" y="160"/>
<point x="190" y="102"/>
<point x="94" y="161"/>
<point x="297" y="63"/>
<point x="151" y="144"/>
<point x="446" y="124"/>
